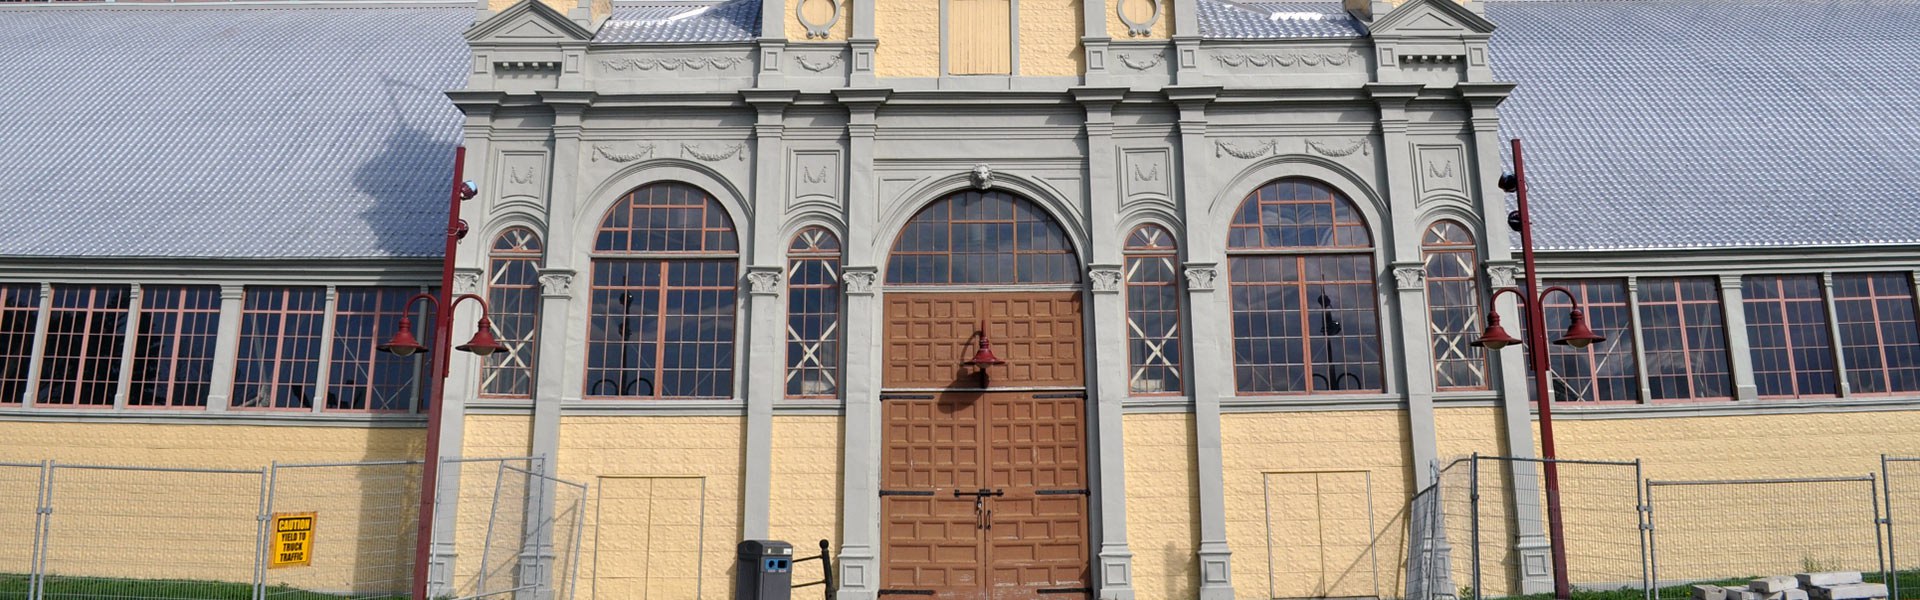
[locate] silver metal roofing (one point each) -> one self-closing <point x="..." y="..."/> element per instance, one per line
<point x="208" y="131"/>
<point x="1713" y="124"/>
<point x="1225" y="19"/>
<point x="682" y="23"/>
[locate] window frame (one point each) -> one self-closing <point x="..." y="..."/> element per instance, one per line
<point x="1824" y="329"/>
<point x="27" y="316"/>
<point x="1132" y="254"/>
<point x="1874" y="299"/>
<point x="1557" y="311"/>
<point x="1429" y="251"/>
<point x="501" y="262"/>
<point x="88" y="313"/>
<point x="811" y="245"/>
<point x="727" y="253"/>
<point x="1679" y="303"/>
<point x="176" y="339"/>
<point x="281" y="314"/>
<point x="1341" y="231"/>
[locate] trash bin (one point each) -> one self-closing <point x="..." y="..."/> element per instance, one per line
<point x="763" y="571"/>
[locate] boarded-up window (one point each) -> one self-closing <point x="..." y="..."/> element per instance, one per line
<point x="980" y="37"/>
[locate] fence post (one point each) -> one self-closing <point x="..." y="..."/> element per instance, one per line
<point x="42" y="513"/>
<point x="1653" y="542"/>
<point x="265" y="509"/>
<point x="1473" y="504"/>
<point x="1893" y="565"/>
<point x="579" y="531"/>
<point x="1879" y="541"/>
<point x="1640" y="510"/>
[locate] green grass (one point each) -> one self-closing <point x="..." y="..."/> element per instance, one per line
<point x="15" y="586"/>
<point x="1909" y="589"/>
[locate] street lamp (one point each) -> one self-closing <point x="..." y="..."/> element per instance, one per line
<point x="404" y="344"/>
<point x="1578" y="335"/>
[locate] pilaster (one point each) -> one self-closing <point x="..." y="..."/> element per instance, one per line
<point x="1210" y="335"/>
<point x="1639" y="339"/>
<point x="862" y="44"/>
<point x="764" y="348"/>
<point x="44" y="315"/>
<point x="859" y="562"/>
<point x="226" y="349"/>
<point x="123" y="388"/>
<point x="1108" y="363"/>
<point x="1833" y="334"/>
<point x="1733" y="312"/>
<point x="330" y="304"/>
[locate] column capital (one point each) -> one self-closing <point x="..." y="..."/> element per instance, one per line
<point x="860" y="280"/>
<point x="1410" y="276"/>
<point x="764" y="280"/>
<point x="1200" y="276"/>
<point x="1105" y="278"/>
<point x="556" y="283"/>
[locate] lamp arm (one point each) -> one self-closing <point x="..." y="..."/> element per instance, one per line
<point x="474" y="297"/>
<point x="1564" y="292"/>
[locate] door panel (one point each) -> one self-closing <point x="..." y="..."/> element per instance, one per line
<point x="929" y="335"/>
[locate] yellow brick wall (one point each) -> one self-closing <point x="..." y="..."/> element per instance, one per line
<point x="909" y="33"/>
<point x="662" y="484"/>
<point x="1162" y="506"/>
<point x="1050" y="38"/>
<point x="1296" y="483"/>
<point x="1461" y="432"/>
<point x="201" y="525"/>
<point x="1162" y="28"/>
<point x="484" y="436"/>
<point x="805" y="508"/>
<point x="818" y="11"/>
<point x="1749" y="529"/>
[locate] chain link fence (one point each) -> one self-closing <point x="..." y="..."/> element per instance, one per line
<point x="1710" y="530"/>
<point x="282" y="532"/>
<point x="1487" y="537"/>
<point x="1900" y="476"/>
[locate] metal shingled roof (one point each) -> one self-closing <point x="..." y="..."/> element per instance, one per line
<point x="1225" y="19"/>
<point x="205" y="131"/>
<point x="682" y="23"/>
<point x="1714" y="124"/>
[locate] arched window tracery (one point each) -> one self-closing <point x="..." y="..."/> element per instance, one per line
<point x="664" y="292"/>
<point x="1453" y="306"/>
<point x="1152" y="276"/>
<point x="1305" y="314"/>
<point x="513" y="299"/>
<point x="813" y="314"/>
<point x="982" y="238"/>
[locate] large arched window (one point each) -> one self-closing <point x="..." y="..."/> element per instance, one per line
<point x="981" y="238"/>
<point x="513" y="299"/>
<point x="665" y="277"/>
<point x="1453" y="306"/>
<point x="813" y="314"/>
<point x="1153" y="311"/>
<point x="1305" y="317"/>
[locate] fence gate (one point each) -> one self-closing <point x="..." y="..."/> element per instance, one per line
<point x="518" y="554"/>
<point x="1706" y="530"/>
<point x="1900" y="479"/>
<point x="1487" y="510"/>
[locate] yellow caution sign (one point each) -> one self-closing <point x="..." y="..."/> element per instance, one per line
<point x="292" y="540"/>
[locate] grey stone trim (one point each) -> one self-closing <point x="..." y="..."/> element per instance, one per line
<point x="175" y="417"/>
<point x="123" y="387"/>
<point x="1325" y="402"/>
<point x="1733" y="315"/>
<point x="327" y="320"/>
<point x="1639" y="340"/>
<point x="1157" y="404"/>
<point x="1477" y="399"/>
<point x="1659" y="410"/>
<point x="1833" y="333"/>
<point x="42" y="316"/>
<point x="226" y="351"/>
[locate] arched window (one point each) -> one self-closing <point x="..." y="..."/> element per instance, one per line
<point x="1453" y="306"/>
<point x="1153" y="311"/>
<point x="513" y="300"/>
<point x="665" y="276"/>
<point x="1305" y="317"/>
<point x="977" y="237"/>
<point x="813" y="314"/>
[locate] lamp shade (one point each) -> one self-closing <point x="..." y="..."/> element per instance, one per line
<point x="1578" y="334"/>
<point x="482" y="343"/>
<point x="984" y="357"/>
<point x="1494" y="337"/>
<point x="403" y="343"/>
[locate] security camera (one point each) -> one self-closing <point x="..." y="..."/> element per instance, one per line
<point x="1509" y="183"/>
<point x="468" y="190"/>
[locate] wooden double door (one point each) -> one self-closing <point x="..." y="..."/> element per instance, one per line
<point x="984" y="489"/>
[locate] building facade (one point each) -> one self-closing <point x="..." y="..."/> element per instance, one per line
<point x="1050" y="299"/>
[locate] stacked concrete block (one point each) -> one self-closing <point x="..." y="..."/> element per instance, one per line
<point x="1841" y="585"/>
<point x="1707" y="591"/>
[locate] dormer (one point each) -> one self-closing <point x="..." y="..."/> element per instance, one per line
<point x="527" y="46"/>
<point x="1435" y="42"/>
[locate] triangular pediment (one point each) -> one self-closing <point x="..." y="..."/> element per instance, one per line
<point x="528" y="22"/>
<point x="1431" y="17"/>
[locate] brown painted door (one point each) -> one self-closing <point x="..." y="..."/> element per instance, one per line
<point x="984" y="492"/>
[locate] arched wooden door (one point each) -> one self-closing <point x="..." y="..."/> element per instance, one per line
<point x="984" y="473"/>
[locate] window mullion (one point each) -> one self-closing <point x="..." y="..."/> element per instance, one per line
<point x="323" y="378"/>
<point x="660" y="330"/>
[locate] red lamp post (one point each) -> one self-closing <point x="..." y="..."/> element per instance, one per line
<point x="404" y="344"/>
<point x="1578" y="335"/>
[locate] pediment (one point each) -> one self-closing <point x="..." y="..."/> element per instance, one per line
<point x="1431" y="18"/>
<point x="528" y="22"/>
